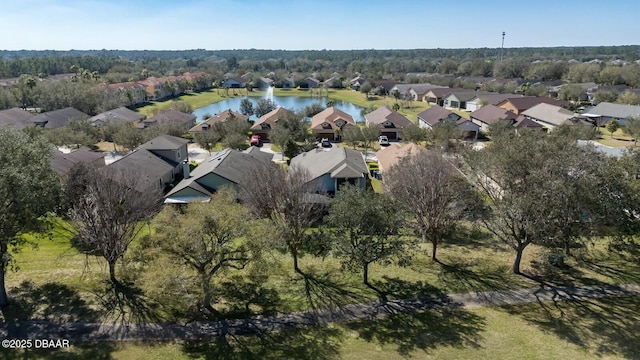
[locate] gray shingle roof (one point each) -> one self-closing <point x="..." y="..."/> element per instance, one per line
<point x="164" y="142"/>
<point x="15" y="117"/>
<point x="339" y="162"/>
<point x="171" y="116"/>
<point x="118" y="115"/>
<point x="62" y="163"/>
<point x="618" y="111"/>
<point x="147" y="165"/>
<point x="550" y="114"/>
<point x="57" y="118"/>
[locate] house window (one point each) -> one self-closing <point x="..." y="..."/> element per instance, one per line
<point x="387" y="124"/>
<point x="326" y="125"/>
<point x="178" y="155"/>
<point x="340" y="123"/>
<point x="454" y="104"/>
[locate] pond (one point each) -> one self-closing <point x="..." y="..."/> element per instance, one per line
<point x="294" y="103"/>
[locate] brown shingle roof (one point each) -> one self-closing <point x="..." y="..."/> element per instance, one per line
<point x="526" y="102"/>
<point x="221" y="117"/>
<point x="270" y="118"/>
<point x="171" y="116"/>
<point x="384" y="114"/>
<point x="390" y="155"/>
<point x="489" y="114"/>
<point x="330" y="116"/>
<point x="434" y="115"/>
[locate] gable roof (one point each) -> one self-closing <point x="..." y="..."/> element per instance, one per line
<point x="228" y="163"/>
<point x="147" y="165"/>
<point x="330" y="116"/>
<point x="525" y="102"/>
<point x="62" y="163"/>
<point x="524" y="122"/>
<point x="171" y="116"/>
<point x="435" y="114"/>
<point x="339" y="162"/>
<point x="391" y="155"/>
<point x="118" y="115"/>
<point x="554" y="115"/>
<point x="618" y="111"/>
<point x="218" y="118"/>
<point x="15" y="117"/>
<point x="467" y="94"/>
<point x="494" y="99"/>
<point x="423" y="88"/>
<point x="384" y="114"/>
<point x="270" y="118"/>
<point x="490" y="114"/>
<point x="164" y="142"/>
<point x="443" y="91"/>
<point x="57" y="118"/>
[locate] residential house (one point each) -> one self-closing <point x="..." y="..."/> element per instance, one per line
<point x="490" y="114"/>
<point x="57" y="118"/>
<point x="605" y="112"/>
<point x="218" y="118"/>
<point x="62" y="163"/>
<point x="383" y="87"/>
<point x="157" y="88"/>
<point x="550" y="116"/>
<point x="417" y="92"/>
<point x="330" y="122"/>
<point x="133" y="91"/>
<point x="329" y="169"/>
<point x="478" y="101"/>
<point x="265" y="83"/>
<point x="436" y="96"/>
<point x="435" y="115"/>
<point x="16" y="117"/>
<point x="311" y="83"/>
<point x="160" y="162"/>
<point x="357" y="82"/>
<point x="268" y="121"/>
<point x="392" y="154"/>
<point x="226" y="168"/>
<point x="520" y="104"/>
<point x="589" y="90"/>
<point x="117" y="116"/>
<point x="288" y="83"/>
<point x="334" y="82"/>
<point x="522" y="122"/>
<point x="390" y="122"/>
<point x="458" y="100"/>
<point x="234" y="82"/>
<point x="469" y="129"/>
<point x="170" y="116"/>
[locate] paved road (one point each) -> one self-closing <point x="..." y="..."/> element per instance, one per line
<point x="206" y="329"/>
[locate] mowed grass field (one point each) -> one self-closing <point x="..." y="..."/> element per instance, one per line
<point x="56" y="282"/>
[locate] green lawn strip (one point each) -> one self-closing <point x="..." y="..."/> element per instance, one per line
<point x="590" y="329"/>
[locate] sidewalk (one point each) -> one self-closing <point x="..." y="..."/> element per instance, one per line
<point x="205" y="329"/>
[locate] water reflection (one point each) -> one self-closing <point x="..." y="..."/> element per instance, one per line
<point x="294" y="103"/>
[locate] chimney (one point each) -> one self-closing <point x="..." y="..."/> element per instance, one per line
<point x="185" y="169"/>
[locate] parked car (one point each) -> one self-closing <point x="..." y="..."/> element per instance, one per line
<point x="255" y="140"/>
<point x="383" y="140"/>
<point x="325" y="143"/>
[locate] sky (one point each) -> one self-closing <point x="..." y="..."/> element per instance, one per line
<point x="314" y="24"/>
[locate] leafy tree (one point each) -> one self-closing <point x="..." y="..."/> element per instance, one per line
<point x="628" y="97"/>
<point x="539" y="189"/>
<point x="28" y="190"/>
<point x="110" y="211"/>
<point x="311" y="110"/>
<point x="128" y="136"/>
<point x="606" y="96"/>
<point x="577" y="131"/>
<point x="366" y="89"/>
<point x="206" y="139"/>
<point x="396" y="95"/>
<point x="434" y="193"/>
<point x="395" y="106"/>
<point x="235" y="141"/>
<point x="181" y="106"/>
<point x="414" y="134"/>
<point x="571" y="92"/>
<point x="632" y="127"/>
<point x="209" y="238"/>
<point x="370" y="134"/>
<point x="285" y="199"/>
<point x="365" y="228"/>
<point x="75" y="132"/>
<point x="351" y="135"/>
<point x="612" y="126"/>
<point x="246" y="107"/>
<point x="264" y="106"/>
<point x="443" y="134"/>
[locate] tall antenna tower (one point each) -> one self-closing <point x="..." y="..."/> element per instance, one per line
<point x="502" y="48"/>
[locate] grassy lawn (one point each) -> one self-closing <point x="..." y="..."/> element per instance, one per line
<point x="594" y="329"/>
<point x="195" y="99"/>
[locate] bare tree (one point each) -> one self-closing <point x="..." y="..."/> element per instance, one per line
<point x="111" y="210"/>
<point x="289" y="200"/>
<point x="434" y="192"/>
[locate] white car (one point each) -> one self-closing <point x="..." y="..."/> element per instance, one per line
<point x="383" y="140"/>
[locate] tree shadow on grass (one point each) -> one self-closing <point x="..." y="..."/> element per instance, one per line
<point x="39" y="312"/>
<point x="125" y="304"/>
<point x="474" y="275"/>
<point x="423" y="329"/>
<point x="609" y="325"/>
<point x="245" y="297"/>
<point x="317" y="342"/>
